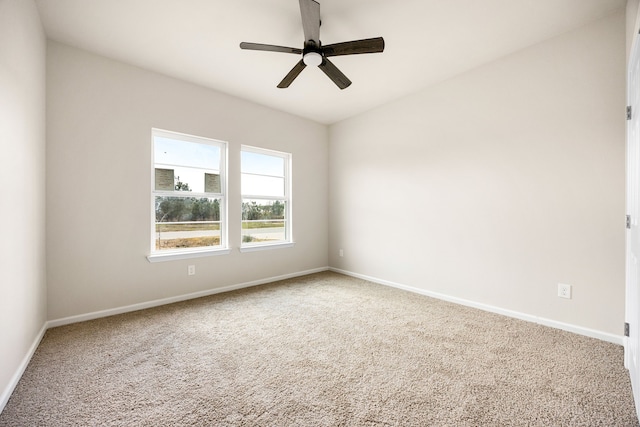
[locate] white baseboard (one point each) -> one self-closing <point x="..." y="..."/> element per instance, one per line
<point x="155" y="303"/>
<point x="6" y="393"/>
<point x="604" y="336"/>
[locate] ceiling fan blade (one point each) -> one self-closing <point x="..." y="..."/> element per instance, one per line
<point x="334" y="74"/>
<point x="289" y="78"/>
<point x="374" y="45"/>
<point x="270" y="48"/>
<point x="310" y="11"/>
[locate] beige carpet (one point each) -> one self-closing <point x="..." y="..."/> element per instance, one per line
<point x="322" y="350"/>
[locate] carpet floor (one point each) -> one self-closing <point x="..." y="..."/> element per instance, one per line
<point x="320" y="350"/>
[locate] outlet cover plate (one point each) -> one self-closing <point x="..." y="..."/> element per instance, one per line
<point x="564" y="290"/>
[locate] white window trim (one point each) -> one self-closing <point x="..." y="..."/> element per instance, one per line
<point x="288" y="157"/>
<point x="186" y="254"/>
<point x="266" y="246"/>
<point x="177" y="254"/>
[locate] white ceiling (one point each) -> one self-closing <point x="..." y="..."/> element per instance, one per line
<point x="427" y="41"/>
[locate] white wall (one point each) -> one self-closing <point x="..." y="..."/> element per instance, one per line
<point x="22" y="173"/>
<point x="496" y="185"/>
<point x="100" y="115"/>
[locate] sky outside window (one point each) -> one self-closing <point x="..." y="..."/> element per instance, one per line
<point x="262" y="174"/>
<point x="189" y="160"/>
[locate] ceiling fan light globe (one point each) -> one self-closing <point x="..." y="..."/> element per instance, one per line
<point x="312" y="59"/>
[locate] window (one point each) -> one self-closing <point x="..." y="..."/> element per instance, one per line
<point x="188" y="195"/>
<point x="266" y="200"/>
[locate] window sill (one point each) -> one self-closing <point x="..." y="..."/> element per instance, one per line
<point x="171" y="256"/>
<point x="267" y="247"/>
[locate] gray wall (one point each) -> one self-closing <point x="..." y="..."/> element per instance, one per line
<point x="22" y="173"/>
<point x="496" y="185"/>
<point x="100" y="115"/>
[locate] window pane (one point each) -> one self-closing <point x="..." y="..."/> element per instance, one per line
<point x="260" y="185"/>
<point x="186" y="222"/>
<point x="262" y="164"/>
<point x="265" y="196"/>
<point x="263" y="221"/>
<point x="186" y="166"/>
<point x="170" y="151"/>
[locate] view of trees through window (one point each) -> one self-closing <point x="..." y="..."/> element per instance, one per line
<point x="263" y="221"/>
<point x="186" y="221"/>
<point x="172" y="209"/>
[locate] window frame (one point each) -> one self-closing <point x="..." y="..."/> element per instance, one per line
<point x="201" y="251"/>
<point x="288" y="242"/>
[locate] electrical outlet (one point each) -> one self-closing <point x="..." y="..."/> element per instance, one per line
<point x="564" y="291"/>
<point x="341" y="252"/>
<point x="191" y="270"/>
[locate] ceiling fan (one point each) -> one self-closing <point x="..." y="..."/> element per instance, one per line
<point x="313" y="53"/>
